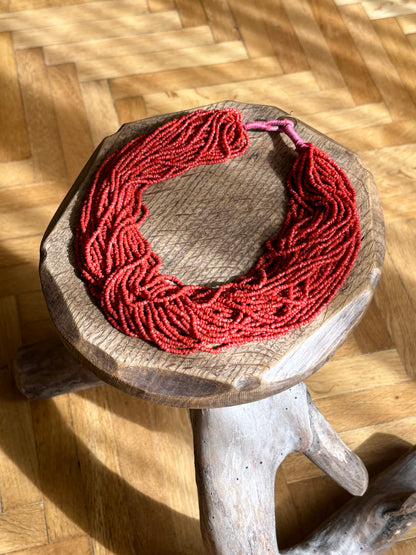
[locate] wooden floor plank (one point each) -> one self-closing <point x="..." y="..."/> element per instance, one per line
<point x="26" y="222"/>
<point x="191" y="12"/>
<point x="377" y="445"/>
<point x="349" y="348"/>
<point x="19" y="473"/>
<point x="16" y="173"/>
<point x="314" y="44"/>
<point x="47" y="155"/>
<point x="221" y="20"/>
<point x="268" y="91"/>
<point x="315" y="500"/>
<point x="10" y="338"/>
<point x="167" y="515"/>
<point x="381" y="10"/>
<point x="60" y="474"/>
<point x="19" y="251"/>
<point x="371" y="334"/>
<point x="400" y="52"/>
<point x="215" y="74"/>
<point x="174" y="453"/>
<point x="352" y="67"/>
<point x="76" y="32"/>
<point x="130" y="109"/>
<point x="389" y="159"/>
<point x="20" y="5"/>
<point x="131" y="45"/>
<point x="378" y="63"/>
<point x="32" y="196"/>
<point x="283" y="38"/>
<point x="356" y="410"/>
<point x="109" y="68"/>
<point x="407" y="23"/>
<point x="404" y="548"/>
<point x="72" y="120"/>
<point x="396" y="194"/>
<point x="252" y="28"/>
<point x="287" y="522"/>
<point x="401" y="243"/>
<point x="100" y="110"/>
<point x="105" y="473"/>
<point x="376" y="136"/>
<point x="26" y="210"/>
<point x="101" y="480"/>
<point x="76" y="546"/>
<point x="22" y="528"/>
<point x="32" y="307"/>
<point x="61" y="15"/>
<point x="337" y="120"/>
<point x="412" y="40"/>
<point x="41" y="330"/>
<point x="19" y="279"/>
<point x="14" y="144"/>
<point x="160" y="5"/>
<point x="346" y="375"/>
<point x="330" y="99"/>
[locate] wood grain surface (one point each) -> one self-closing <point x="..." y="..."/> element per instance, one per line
<point x="208" y="227"/>
<point x="237" y="499"/>
<point x="57" y="455"/>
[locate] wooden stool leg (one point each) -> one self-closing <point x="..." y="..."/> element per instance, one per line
<point x="237" y="452"/>
<point x="236" y="498"/>
<point x="47" y="368"/>
<point x="372" y="524"/>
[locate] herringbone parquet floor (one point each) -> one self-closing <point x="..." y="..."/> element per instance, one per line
<point x="100" y="472"/>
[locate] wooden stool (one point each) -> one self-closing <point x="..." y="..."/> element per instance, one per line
<point x="249" y="405"/>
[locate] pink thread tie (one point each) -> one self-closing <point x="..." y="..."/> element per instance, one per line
<point x="282" y="126"/>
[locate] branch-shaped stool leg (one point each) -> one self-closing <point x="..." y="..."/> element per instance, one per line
<point x="237" y="452"/>
<point x="47" y="368"/>
<point x="370" y="525"/>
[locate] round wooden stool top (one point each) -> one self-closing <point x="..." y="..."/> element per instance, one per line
<point x="209" y="226"/>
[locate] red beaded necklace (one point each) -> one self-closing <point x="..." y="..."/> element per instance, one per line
<point x="298" y="274"/>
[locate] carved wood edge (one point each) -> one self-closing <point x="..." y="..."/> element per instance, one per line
<point x="240" y="375"/>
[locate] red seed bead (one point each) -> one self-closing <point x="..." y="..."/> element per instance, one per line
<point x="298" y="274"/>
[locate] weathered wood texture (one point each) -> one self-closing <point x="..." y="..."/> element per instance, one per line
<point x="119" y="447"/>
<point x="370" y="525"/>
<point x="237" y="453"/>
<point x="46" y="369"/>
<point x="209" y="226"/>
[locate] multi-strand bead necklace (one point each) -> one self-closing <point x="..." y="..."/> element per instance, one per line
<point x="298" y="274"/>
